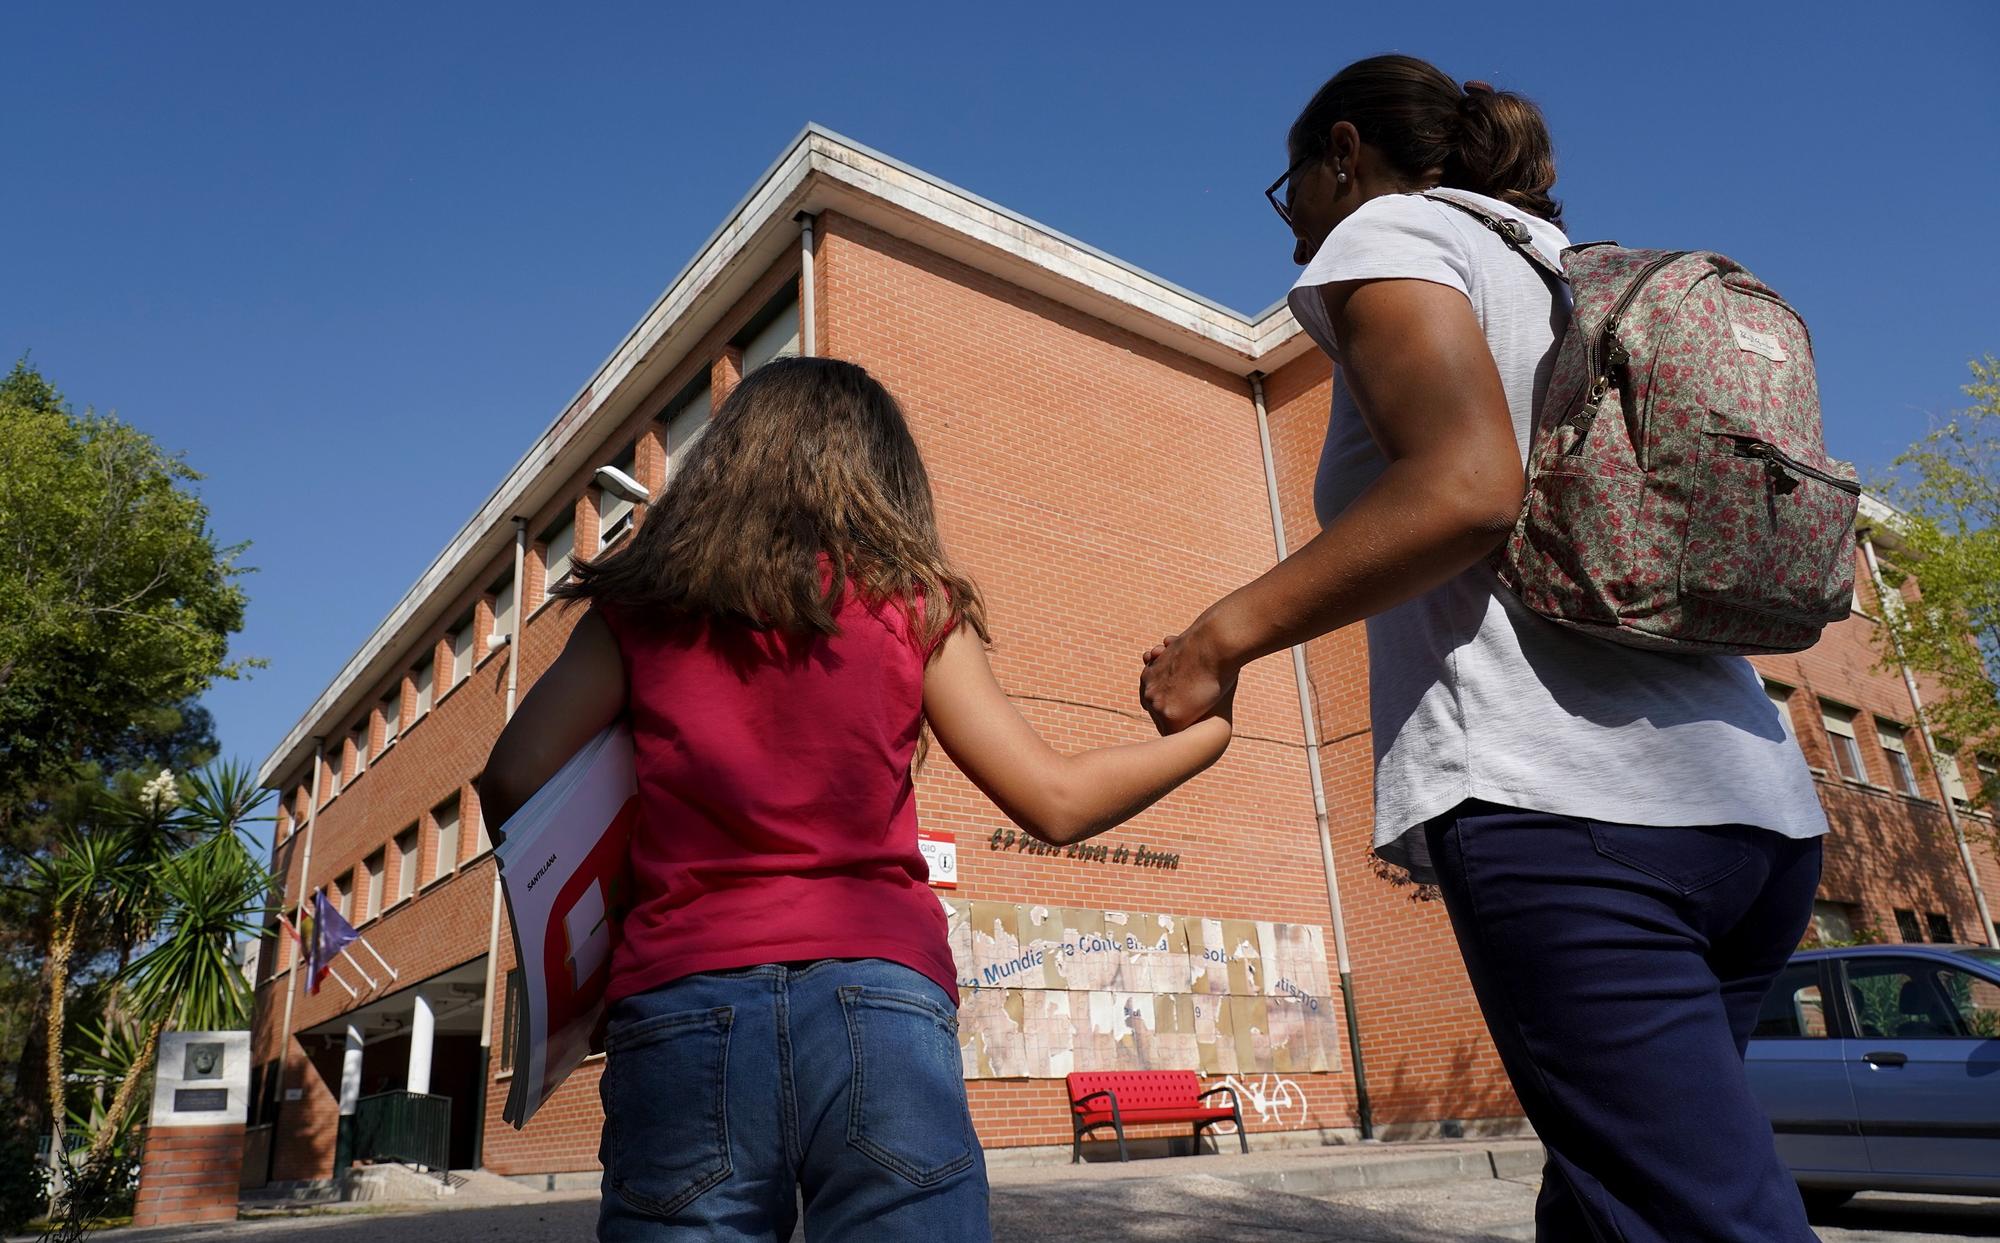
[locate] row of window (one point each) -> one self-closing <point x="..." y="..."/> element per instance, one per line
<point x="1892" y="739"/>
<point x="360" y="898"/>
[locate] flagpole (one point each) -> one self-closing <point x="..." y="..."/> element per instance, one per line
<point x="348" y="954"/>
<point x="363" y="941"/>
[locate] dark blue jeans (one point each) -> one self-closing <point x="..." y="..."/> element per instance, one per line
<point x="729" y="1096"/>
<point x="1620" y="969"/>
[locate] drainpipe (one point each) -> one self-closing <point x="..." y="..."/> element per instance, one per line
<point x="805" y="220"/>
<point x="292" y="945"/>
<point x="1362" y="1106"/>
<point x="1991" y="933"/>
<point x="493" y="919"/>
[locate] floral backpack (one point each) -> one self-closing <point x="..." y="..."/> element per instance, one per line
<point x="1680" y="497"/>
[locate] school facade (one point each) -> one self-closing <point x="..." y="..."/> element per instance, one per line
<point x="1111" y="453"/>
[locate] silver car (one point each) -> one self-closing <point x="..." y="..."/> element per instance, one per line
<point x="1879" y="1066"/>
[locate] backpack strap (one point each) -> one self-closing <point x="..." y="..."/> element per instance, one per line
<point x="1512" y="232"/>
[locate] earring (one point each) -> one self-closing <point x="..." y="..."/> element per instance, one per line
<point x="1339" y="176"/>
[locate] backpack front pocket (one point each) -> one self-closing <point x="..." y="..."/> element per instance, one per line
<point x="1768" y="532"/>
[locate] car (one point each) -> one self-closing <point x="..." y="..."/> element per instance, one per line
<point x="1879" y="1066"/>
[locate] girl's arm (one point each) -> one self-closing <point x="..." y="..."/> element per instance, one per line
<point x="583" y="691"/>
<point x="1057" y="798"/>
<point x="1425" y="382"/>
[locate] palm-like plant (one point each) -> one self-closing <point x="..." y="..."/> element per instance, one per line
<point x="210" y="893"/>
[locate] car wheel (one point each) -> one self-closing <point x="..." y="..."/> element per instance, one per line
<point x="1824" y="1199"/>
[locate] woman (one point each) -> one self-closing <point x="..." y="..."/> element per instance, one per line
<point x="778" y="634"/>
<point x="1627" y="842"/>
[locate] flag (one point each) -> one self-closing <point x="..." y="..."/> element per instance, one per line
<point x="328" y="934"/>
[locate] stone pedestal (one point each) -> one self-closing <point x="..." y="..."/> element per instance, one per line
<point x="194" y="1141"/>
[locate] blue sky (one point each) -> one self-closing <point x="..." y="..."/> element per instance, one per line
<point x="351" y="259"/>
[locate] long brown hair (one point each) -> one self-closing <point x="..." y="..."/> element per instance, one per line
<point x="1491" y="142"/>
<point x="807" y="456"/>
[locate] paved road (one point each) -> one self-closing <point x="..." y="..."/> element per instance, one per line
<point x="1165" y="1210"/>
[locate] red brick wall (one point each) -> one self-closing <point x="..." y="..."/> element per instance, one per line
<point x="189" y="1174"/>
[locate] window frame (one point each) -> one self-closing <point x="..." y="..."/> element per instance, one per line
<point x="1829" y="713"/>
<point x="1893" y="739"/>
<point x="423" y="677"/>
<point x="408" y="862"/>
<point x="456" y="804"/>
<point x="378" y="881"/>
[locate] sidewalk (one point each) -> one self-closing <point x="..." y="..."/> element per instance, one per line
<point x="1305" y="1171"/>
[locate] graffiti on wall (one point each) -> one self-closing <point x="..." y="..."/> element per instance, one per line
<point x="1048" y="990"/>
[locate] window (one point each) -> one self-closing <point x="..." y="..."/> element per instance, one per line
<point x="483" y="841"/>
<point x="778" y="338"/>
<point x="332" y="786"/>
<point x="1833" y="923"/>
<point x="505" y="602"/>
<point x="1907" y="926"/>
<point x="343" y="895"/>
<point x="1839" y="723"/>
<point x="461" y="649"/>
<point x="359" y="738"/>
<point x="1939" y="926"/>
<point x="614" y="512"/>
<point x="1908" y="999"/>
<point x="423" y="677"/>
<point x="1793" y="1008"/>
<point x="511" y="1019"/>
<point x="1989" y="779"/>
<point x="1901" y="776"/>
<point x="376" y="865"/>
<point x="560" y="544"/>
<point x="1954" y="780"/>
<point x="1781" y="699"/>
<point x="446" y="819"/>
<point x="685" y="421"/>
<point x="392" y="715"/>
<point x="406" y="863"/>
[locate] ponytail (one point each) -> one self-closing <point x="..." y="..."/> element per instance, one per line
<point x="1491" y="142"/>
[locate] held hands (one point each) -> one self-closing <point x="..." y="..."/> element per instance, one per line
<point x="1185" y="681"/>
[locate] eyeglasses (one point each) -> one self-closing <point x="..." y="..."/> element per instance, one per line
<point x="1283" y="205"/>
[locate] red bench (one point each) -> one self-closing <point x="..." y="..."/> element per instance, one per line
<point x="1118" y="1098"/>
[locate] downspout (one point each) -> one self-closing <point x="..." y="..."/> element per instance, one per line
<point x="292" y="944"/>
<point x="1362" y="1107"/>
<point x="805" y="220"/>
<point x="493" y="919"/>
<point x="1986" y="927"/>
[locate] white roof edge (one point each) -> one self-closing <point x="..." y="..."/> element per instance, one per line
<point x="1230" y="337"/>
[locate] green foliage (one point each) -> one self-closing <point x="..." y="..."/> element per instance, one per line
<point x="1949" y="492"/>
<point x="116" y="603"/>
<point x="24" y="1190"/>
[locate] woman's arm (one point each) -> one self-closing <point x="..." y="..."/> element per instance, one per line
<point x="582" y="692"/>
<point x="1057" y="798"/>
<point x="1424" y="379"/>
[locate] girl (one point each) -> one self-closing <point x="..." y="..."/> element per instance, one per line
<point x="778" y="634"/>
<point x="1627" y="842"/>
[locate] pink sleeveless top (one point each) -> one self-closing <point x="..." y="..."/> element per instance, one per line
<point x="777" y="816"/>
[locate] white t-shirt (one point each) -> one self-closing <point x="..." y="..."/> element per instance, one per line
<point x="1471" y="695"/>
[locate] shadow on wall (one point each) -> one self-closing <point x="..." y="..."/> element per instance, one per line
<point x="1469" y="1088"/>
<point x="1877" y="836"/>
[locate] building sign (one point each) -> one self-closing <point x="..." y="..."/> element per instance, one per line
<point x="1047" y="990"/>
<point x="941" y="856"/>
<point x="203" y="1079"/>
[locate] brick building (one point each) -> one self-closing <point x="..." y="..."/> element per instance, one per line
<point x="1111" y="453"/>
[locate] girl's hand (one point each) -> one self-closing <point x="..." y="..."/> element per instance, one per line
<point x="1185" y="681"/>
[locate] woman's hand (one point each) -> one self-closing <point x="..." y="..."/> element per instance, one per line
<point x="1186" y="679"/>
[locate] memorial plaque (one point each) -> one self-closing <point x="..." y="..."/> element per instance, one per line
<point x="201" y="1100"/>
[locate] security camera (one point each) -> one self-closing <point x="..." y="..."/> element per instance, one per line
<point x="622" y="485"/>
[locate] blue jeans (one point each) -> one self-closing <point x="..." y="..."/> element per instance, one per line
<point x="1620" y="969"/>
<point x="730" y="1096"/>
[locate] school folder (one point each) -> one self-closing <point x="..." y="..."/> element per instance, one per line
<point x="563" y="868"/>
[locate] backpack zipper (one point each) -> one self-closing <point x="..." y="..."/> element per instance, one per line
<point x="1777" y="462"/>
<point x="1612" y="352"/>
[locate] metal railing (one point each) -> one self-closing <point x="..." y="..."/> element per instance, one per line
<point x="411" y="1127"/>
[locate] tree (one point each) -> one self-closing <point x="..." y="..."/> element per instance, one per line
<point x="116" y="602"/>
<point x="178" y="875"/>
<point x="1948" y="489"/>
